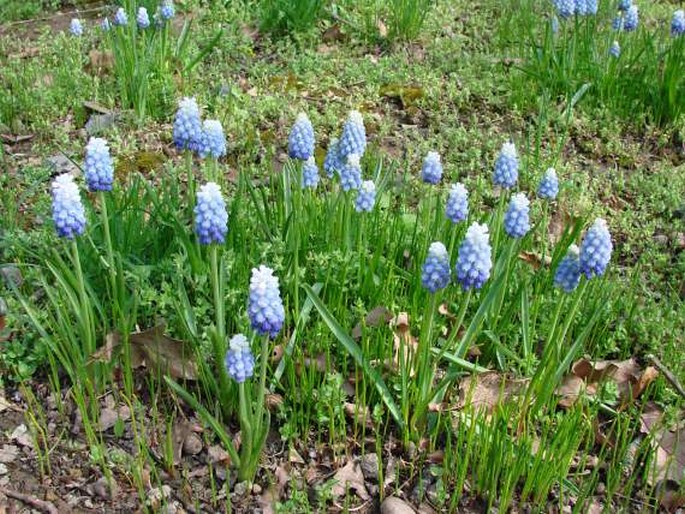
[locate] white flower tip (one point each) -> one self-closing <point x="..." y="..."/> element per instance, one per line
<point x="212" y="126"/>
<point x="368" y="186"/>
<point x="433" y="156"/>
<point x="509" y="149"/>
<point x="302" y="117"/>
<point x="311" y="160"/>
<point x="459" y="189"/>
<point x="356" y="117"/>
<point x="438" y="249"/>
<point x="574" y="250"/>
<point x="520" y="200"/>
<point x="238" y="343"/>
<point x="353" y="160"/>
<point x="477" y="231"/>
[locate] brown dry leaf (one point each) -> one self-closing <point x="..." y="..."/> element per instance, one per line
<point x="535" y="259"/>
<point x="382" y="28"/>
<point x="8" y="453"/>
<point x="557" y="224"/>
<point x="349" y="476"/>
<point x="361" y="414"/>
<point x="488" y="390"/>
<point x="404" y="95"/>
<point x="273" y="401"/>
<point x="318" y="363"/>
<point x="101" y="61"/>
<point x="376" y="316"/>
<point x="217" y="455"/>
<point x="333" y="34"/>
<point x="570" y="389"/>
<point x="273" y="494"/>
<point x="109" y="417"/>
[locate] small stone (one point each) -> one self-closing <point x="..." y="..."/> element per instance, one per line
<point x="3" y="469"/>
<point x="256" y="489"/>
<point x="98" y="123"/>
<point x="11" y="275"/>
<point x="369" y="464"/>
<point x="394" y="505"/>
<point x="240" y="488"/>
<point x="192" y="445"/>
<point x="60" y="164"/>
<point x="661" y="239"/>
<point x="157" y="494"/>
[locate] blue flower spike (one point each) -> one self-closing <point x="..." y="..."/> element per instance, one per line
<point x="517" y="217"/>
<point x="142" y="18"/>
<point x="366" y="197"/>
<point x="678" y="23"/>
<point x="120" y="17"/>
<point x="632" y="19"/>
<point x="506" y="167"/>
<point x="76" y="27"/>
<point x="457" y="208"/>
<point x="331" y="163"/>
<point x="99" y="167"/>
<point x="211" y="218"/>
<point x="301" y="139"/>
<point x="431" y="172"/>
<point x="567" y="275"/>
<point x="310" y="174"/>
<point x="213" y="140"/>
<point x="351" y="174"/>
<point x="436" y="273"/>
<point x="615" y="50"/>
<point x="187" y="125"/>
<point x="474" y="261"/>
<point x="353" y="138"/>
<point x="595" y="249"/>
<point x="239" y="360"/>
<point x="265" y="307"/>
<point x="67" y="209"/>
<point x="548" y="189"/>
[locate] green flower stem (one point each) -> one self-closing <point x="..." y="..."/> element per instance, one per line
<point x="117" y="313"/>
<point x="219" y="338"/>
<point x="246" y="434"/>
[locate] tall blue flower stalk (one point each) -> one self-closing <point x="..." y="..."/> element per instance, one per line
<point x="457" y="208"/>
<point x="548" y="189"/>
<point x="332" y="163"/>
<point x="76" y="27"/>
<point x="431" y="172"/>
<point x="99" y="167"/>
<point x="351" y="174"/>
<point x="678" y="23"/>
<point x="506" y="167"/>
<point x="366" y="197"/>
<point x="310" y="174"/>
<point x="212" y="144"/>
<point x="474" y="261"/>
<point x="567" y="275"/>
<point x="353" y="138"/>
<point x="67" y="210"/>
<point x="142" y="18"/>
<point x="301" y="140"/>
<point x="595" y="249"/>
<point x="436" y="273"/>
<point x="517" y="219"/>
<point x="239" y="360"/>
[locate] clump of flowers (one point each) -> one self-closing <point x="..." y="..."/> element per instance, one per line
<point x="351" y="174"/>
<point x="474" y="261"/>
<point x="517" y="219"/>
<point x="436" y="273"/>
<point x="265" y="307"/>
<point x="506" y="167"/>
<point x="353" y="138"/>
<point x="211" y="218"/>
<point x="631" y="20"/>
<point x="75" y="27"/>
<point x="567" y="276"/>
<point x="548" y="189"/>
<point x="187" y="125"/>
<point x="678" y="23"/>
<point x="615" y="50"/>
<point x="332" y="163"/>
<point x="595" y="249"/>
<point x="212" y="141"/>
<point x="457" y="208"/>
<point x="99" y="168"/>
<point x="67" y="209"/>
<point x="310" y="174"/>
<point x="120" y="17"/>
<point x="567" y="8"/>
<point x="431" y="172"/>
<point x="142" y="18"/>
<point x="239" y="360"/>
<point x="366" y="197"/>
<point x="301" y="139"/>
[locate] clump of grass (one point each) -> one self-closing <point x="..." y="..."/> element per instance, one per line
<point x="282" y="17"/>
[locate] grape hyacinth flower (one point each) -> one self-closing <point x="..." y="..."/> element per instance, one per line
<point x="167" y="10"/>
<point x="475" y="258"/>
<point x="301" y="139"/>
<point x="595" y="249"/>
<point x="615" y="50"/>
<point x="457" y="208"/>
<point x="431" y="172"/>
<point x="516" y="219"/>
<point x="213" y="141"/>
<point x="631" y="20"/>
<point x="582" y="7"/>
<point x="187" y="125"/>
<point x="506" y="167"/>
<point x="565" y="8"/>
<point x="353" y="139"/>
<point x="678" y="23"/>
<point x="98" y="169"/>
<point x="624" y="5"/>
<point x="67" y="209"/>
<point x="265" y="307"/>
<point x="617" y="22"/>
<point x="591" y="7"/>
<point x="567" y="275"/>
<point x="120" y="17"/>
<point x="351" y="174"/>
<point x="366" y="197"/>
<point x="548" y="189"/>
<point x="332" y="163"/>
<point x="239" y="360"/>
<point x="310" y="174"/>
<point x="75" y="27"/>
<point x="105" y="25"/>
<point x="142" y="18"/>
<point x="211" y="218"/>
<point x="436" y="273"/>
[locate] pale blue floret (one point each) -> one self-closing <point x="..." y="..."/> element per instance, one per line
<point x="213" y="141"/>
<point x="166" y="9"/>
<point x="211" y="218"/>
<point x="99" y="168"/>
<point x="187" y="125"/>
<point x="75" y="27"/>
<point x="366" y="197"/>
<point x="436" y="273"/>
<point x="310" y="174"/>
<point x="431" y="172"/>
<point x="457" y="208"/>
<point x="548" y="189"/>
<point x="615" y="50"/>
<point x="142" y="18"/>
<point x="239" y="360"/>
<point x="265" y="307"/>
<point x="517" y="217"/>
<point x="67" y="210"/>
<point x="301" y="139"/>
<point x="105" y="25"/>
<point x="351" y="174"/>
<point x="506" y="167"/>
<point x="332" y="163"/>
<point x="631" y="20"/>
<point x="474" y="262"/>
<point x="353" y="138"/>
<point x="567" y="275"/>
<point x="120" y="17"/>
<point x="595" y="249"/>
<point x="624" y="5"/>
<point x="565" y="8"/>
<point x="678" y="23"/>
<point x="617" y="22"/>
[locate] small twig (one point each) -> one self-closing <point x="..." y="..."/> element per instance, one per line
<point x="668" y="374"/>
<point x="31" y="501"/>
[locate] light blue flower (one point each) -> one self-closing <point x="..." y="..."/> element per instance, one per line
<point x="301" y="139"/>
<point x="567" y="275"/>
<point x="457" y="208"/>
<point x="517" y="217"/>
<point x="75" y="27"/>
<point x="631" y="20"/>
<point x="310" y="174"/>
<point x="120" y="17"/>
<point x="351" y="174"/>
<point x="67" y="209"/>
<point x="142" y="18"/>
<point x="353" y="139"/>
<point x="506" y="167"/>
<point x="565" y="8"/>
<point x="211" y="218"/>
<point x="431" y="172"/>
<point x="265" y="307"/>
<point x="98" y="168"/>
<point x="617" y="22"/>
<point x="595" y="249"/>
<point x="213" y="141"/>
<point x="678" y="23"/>
<point x="475" y="258"/>
<point x="624" y="5"/>
<point x="105" y="25"/>
<point x="187" y="125"/>
<point x="591" y="7"/>
<point x="436" y="273"/>
<point x="366" y="197"/>
<point x="167" y="10"/>
<point x="615" y="50"/>
<point x="548" y="189"/>
<point x="332" y="163"/>
<point x="239" y="360"/>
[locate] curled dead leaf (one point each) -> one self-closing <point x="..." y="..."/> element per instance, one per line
<point x="487" y="390"/>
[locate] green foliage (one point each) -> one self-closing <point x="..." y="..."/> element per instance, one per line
<point x="407" y="17"/>
<point x="282" y="17"/>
